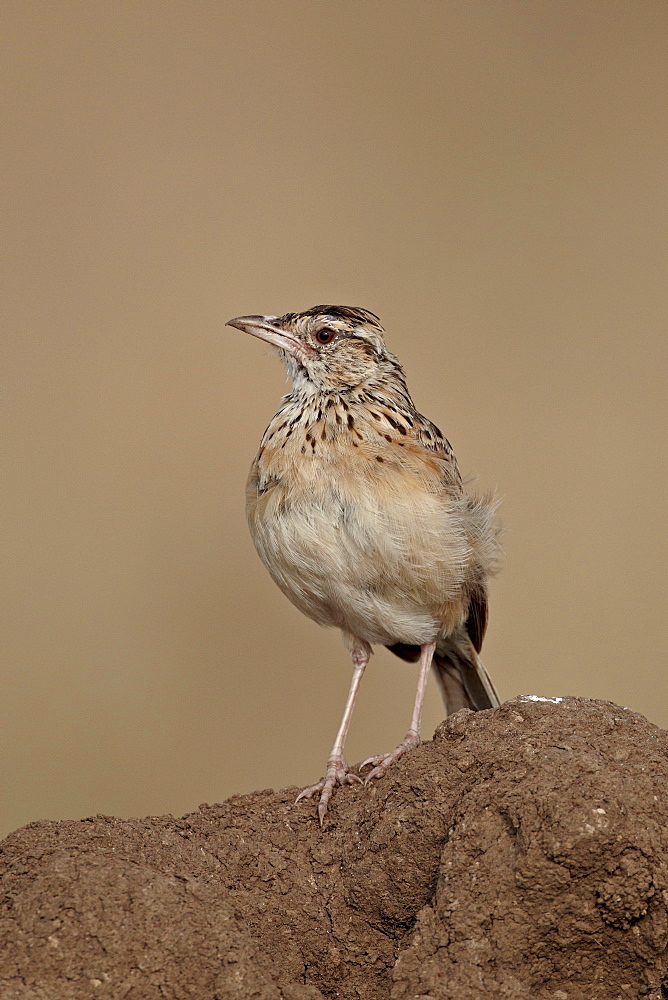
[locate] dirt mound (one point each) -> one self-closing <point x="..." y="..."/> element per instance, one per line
<point x="521" y="854"/>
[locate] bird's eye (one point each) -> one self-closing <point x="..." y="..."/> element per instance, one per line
<point x="324" y="336"/>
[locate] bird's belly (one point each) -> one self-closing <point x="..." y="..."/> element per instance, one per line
<point x="381" y="564"/>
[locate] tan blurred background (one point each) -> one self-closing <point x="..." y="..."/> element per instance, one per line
<point x="490" y="179"/>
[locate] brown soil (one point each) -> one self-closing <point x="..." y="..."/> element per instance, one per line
<point x="521" y="854"/>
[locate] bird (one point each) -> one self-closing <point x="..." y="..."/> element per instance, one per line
<point x="357" y="509"/>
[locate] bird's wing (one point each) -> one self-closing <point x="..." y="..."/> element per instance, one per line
<point x="433" y="441"/>
<point x="476" y="623"/>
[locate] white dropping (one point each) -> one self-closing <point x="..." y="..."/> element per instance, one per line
<point x="535" y="697"/>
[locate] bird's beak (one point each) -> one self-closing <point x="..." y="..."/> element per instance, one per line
<point x="265" y="328"/>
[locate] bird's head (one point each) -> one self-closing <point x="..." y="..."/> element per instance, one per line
<point x="333" y="348"/>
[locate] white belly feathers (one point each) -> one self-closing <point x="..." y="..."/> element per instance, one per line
<point x="366" y="554"/>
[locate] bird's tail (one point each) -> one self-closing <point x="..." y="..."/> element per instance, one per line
<point x="460" y="673"/>
<point x="462" y="677"/>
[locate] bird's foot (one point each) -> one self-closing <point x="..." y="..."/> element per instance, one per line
<point x="337" y="773"/>
<point x="385" y="760"/>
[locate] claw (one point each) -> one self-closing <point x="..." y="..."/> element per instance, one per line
<point x="385" y="760"/>
<point x="337" y="773"/>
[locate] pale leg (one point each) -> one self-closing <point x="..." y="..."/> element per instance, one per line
<point x="337" y="772"/>
<point x="412" y="738"/>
